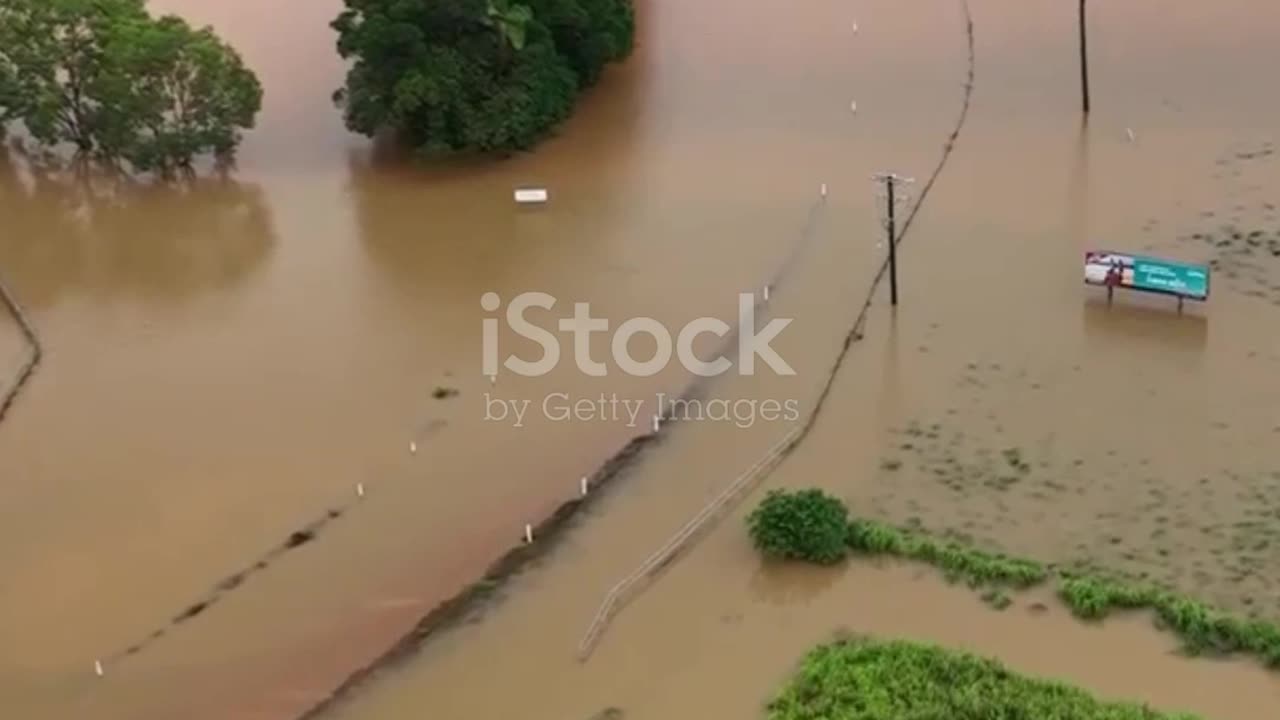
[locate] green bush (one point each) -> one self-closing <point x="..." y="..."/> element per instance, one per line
<point x="862" y="679"/>
<point x="804" y="525"/>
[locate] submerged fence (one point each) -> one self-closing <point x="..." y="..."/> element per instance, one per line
<point x="35" y="349"/>
<point x="619" y="594"/>
<point x="774" y="457"/>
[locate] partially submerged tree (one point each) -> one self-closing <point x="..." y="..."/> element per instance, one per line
<point x="105" y="78"/>
<point x="55" y="73"/>
<point x="473" y="75"/>
<point x="191" y="95"/>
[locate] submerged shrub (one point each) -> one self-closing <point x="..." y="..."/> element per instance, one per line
<point x="803" y="525"/>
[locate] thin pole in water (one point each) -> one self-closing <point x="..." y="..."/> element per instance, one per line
<point x="891" y="181"/>
<point x="1084" y="58"/>
<point x="893" y="253"/>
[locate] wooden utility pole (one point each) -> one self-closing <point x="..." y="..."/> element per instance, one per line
<point x="890" y="181"/>
<point x="1084" y="57"/>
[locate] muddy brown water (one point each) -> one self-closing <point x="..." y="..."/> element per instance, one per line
<point x="225" y="364"/>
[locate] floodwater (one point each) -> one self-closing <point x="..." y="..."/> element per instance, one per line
<point x="225" y="364"/>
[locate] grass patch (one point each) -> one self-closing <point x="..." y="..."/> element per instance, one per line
<point x="1087" y="592"/>
<point x="977" y="568"/>
<point x="863" y="679"/>
<point x="1202" y="629"/>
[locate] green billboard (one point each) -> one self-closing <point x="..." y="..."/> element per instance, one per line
<point x="1148" y="274"/>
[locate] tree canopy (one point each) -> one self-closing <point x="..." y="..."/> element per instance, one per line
<point x="474" y="75"/>
<point x="121" y="87"/>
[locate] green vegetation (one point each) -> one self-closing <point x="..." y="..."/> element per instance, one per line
<point x="118" y="86"/>
<point x="804" y="525"/>
<point x="453" y="76"/>
<point x="862" y="679"/>
<point x="977" y="568"/>
<point x="1201" y="629"/>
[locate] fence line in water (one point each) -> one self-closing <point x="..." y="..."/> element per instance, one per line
<point x="798" y="434"/>
<point x="617" y="595"/>
<point x="36" y="350"/>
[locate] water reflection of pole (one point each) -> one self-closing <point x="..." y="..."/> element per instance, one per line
<point x="891" y="181"/>
<point x="1084" y="58"/>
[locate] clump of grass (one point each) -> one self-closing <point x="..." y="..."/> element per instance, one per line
<point x="864" y="678"/>
<point x="976" y="567"/>
<point x="1091" y="598"/>
<point x="1202" y="629"/>
<point x="997" y="599"/>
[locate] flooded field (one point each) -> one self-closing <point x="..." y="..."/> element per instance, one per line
<point x="227" y="363"/>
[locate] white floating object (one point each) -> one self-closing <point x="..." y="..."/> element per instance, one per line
<point x="853" y="106"/>
<point x="855" y="27"/>
<point x="656" y="423"/>
<point x="824" y="189"/>
<point x="359" y="489"/>
<point x="1129" y="132"/>
<point x="531" y="195"/>
<point x="413" y="447"/>
<point x="493" y="379"/>
<point x="528" y="533"/>
<point x="584" y="486"/>
<point x="97" y="668"/>
<point x="766" y="292"/>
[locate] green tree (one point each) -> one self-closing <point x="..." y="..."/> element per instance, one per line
<point x="191" y="95"/>
<point x="589" y="33"/>
<point x="460" y="75"/>
<point x="54" y="66"/>
<point x="119" y="86"/>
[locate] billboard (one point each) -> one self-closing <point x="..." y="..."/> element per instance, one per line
<point x="1148" y="274"/>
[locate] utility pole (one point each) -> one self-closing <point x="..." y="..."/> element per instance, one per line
<point x="1084" y="58"/>
<point x="891" y="181"/>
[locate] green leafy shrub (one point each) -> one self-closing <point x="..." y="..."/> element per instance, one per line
<point x="804" y="525"/>
<point x="862" y="679"/>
